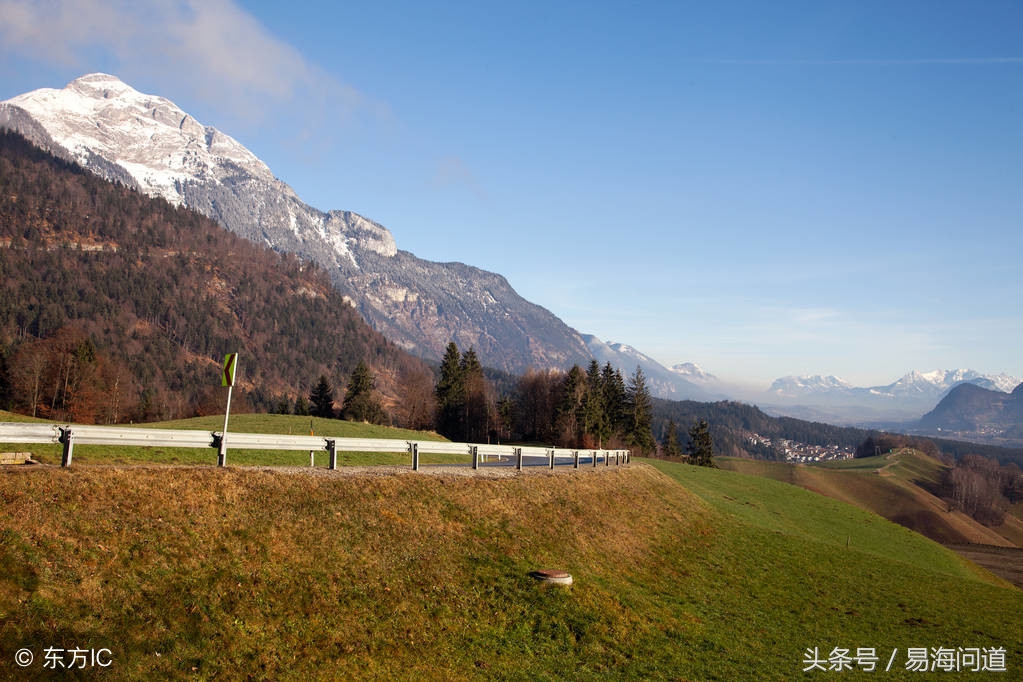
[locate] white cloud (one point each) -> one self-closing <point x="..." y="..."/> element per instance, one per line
<point x="209" y="49"/>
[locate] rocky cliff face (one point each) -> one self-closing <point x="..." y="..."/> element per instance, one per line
<point x="149" y="143"/>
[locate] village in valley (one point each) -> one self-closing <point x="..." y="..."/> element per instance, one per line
<point x="801" y="453"/>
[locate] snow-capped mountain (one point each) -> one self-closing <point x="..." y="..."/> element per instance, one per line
<point x="831" y="398"/>
<point x="941" y="381"/>
<point x="156" y="143"/>
<point x="798" y="386"/>
<point x="149" y="143"/>
<point x="693" y="373"/>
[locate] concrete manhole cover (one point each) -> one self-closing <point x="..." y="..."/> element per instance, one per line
<point x="552" y="576"/>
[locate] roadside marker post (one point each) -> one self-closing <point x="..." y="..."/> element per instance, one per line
<point x="227" y="378"/>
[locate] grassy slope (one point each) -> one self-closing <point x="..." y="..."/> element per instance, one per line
<point x="681" y="573"/>
<point x="892" y="486"/>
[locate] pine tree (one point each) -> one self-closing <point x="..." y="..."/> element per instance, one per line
<point x="613" y="389"/>
<point x="359" y="404"/>
<point x="450" y="393"/>
<point x="701" y="447"/>
<point x="322" y="399"/>
<point x="596" y="424"/>
<point x="672" y="448"/>
<point x="639" y="411"/>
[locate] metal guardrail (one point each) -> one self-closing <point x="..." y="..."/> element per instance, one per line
<point x="70" y="435"/>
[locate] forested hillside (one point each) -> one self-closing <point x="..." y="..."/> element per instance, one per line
<point x="119" y="307"/>
<point x="731" y="423"/>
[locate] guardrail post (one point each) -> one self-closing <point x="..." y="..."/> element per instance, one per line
<point x="415" y="456"/>
<point x="552" y="458"/>
<point x="593" y="454"/>
<point x="332" y="453"/>
<point x="617" y="454"/>
<point x="68" y="438"/>
<point x="518" y="459"/>
<point x="575" y="456"/>
<point x="607" y="460"/>
<point x="222" y="451"/>
<point x="475" y="456"/>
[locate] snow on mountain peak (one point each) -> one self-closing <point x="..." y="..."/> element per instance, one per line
<point x="158" y="144"/>
<point x="149" y="142"/>
<point x="940" y="379"/>
<point x="799" y="385"/>
<point x="102" y="84"/>
<point x="693" y="372"/>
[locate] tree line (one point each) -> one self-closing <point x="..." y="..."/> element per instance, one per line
<point x="982" y="488"/>
<point x="589" y="408"/>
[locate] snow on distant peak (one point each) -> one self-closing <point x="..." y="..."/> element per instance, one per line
<point x="801" y="385"/>
<point x="939" y="379"/>
<point x="693" y="372"/>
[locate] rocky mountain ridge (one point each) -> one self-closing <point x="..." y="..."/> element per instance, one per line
<point x="150" y="144"/>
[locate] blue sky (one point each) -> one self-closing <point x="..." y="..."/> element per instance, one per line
<point x="762" y="188"/>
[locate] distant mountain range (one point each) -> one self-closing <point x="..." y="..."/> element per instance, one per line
<point x="831" y="398"/>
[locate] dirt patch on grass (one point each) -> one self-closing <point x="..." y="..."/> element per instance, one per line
<point x="1005" y="562"/>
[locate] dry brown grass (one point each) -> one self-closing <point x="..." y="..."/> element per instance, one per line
<point x="235" y="573"/>
<point x="156" y="563"/>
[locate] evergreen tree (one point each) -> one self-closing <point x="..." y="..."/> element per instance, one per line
<point x="672" y="448"/>
<point x="450" y="393"/>
<point x="613" y="389"/>
<point x="639" y="411"/>
<point x="700" y="450"/>
<point x="360" y="405"/>
<point x="506" y="409"/>
<point x="596" y="423"/>
<point x="322" y="399"/>
<point x="301" y="406"/>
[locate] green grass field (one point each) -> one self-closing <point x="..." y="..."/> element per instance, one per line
<point x="680" y="573"/>
<point x="900" y="486"/>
